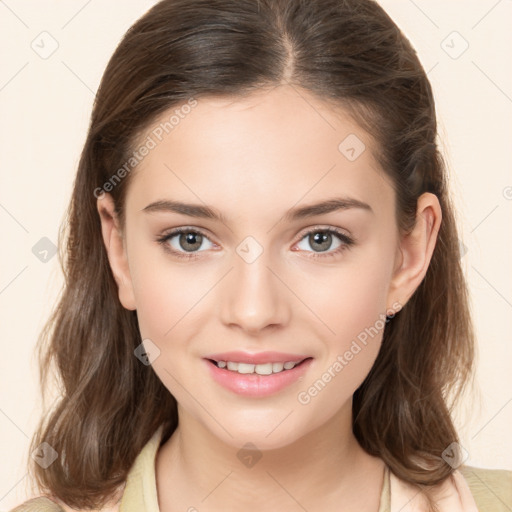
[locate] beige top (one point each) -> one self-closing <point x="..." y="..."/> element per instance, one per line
<point x="488" y="489"/>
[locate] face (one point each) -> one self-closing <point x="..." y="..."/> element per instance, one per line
<point x="257" y="270"/>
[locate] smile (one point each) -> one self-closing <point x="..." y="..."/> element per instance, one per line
<point x="257" y="379"/>
<point x="260" y="369"/>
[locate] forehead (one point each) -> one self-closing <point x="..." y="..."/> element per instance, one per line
<point x="272" y="148"/>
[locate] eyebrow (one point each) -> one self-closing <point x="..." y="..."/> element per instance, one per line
<point x="301" y="212"/>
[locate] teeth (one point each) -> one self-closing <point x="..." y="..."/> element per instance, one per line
<point x="277" y="367"/>
<point x="242" y="367"/>
<point x="260" y="369"/>
<point x="263" y="369"/>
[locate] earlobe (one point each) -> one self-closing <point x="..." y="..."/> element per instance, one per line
<point x="415" y="251"/>
<point x="116" y="252"/>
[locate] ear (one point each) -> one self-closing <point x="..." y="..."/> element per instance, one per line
<point x="415" y="251"/>
<point x="116" y="251"/>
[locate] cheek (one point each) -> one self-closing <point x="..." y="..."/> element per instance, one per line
<point x="365" y="303"/>
<point x="351" y="304"/>
<point x="351" y="299"/>
<point x="165" y="293"/>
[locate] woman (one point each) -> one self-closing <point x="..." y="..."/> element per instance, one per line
<point x="264" y="305"/>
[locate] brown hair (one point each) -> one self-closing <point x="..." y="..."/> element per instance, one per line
<point x="348" y="52"/>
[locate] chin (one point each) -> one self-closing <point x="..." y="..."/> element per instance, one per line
<point x="270" y="431"/>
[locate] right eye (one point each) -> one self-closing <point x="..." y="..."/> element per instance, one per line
<point x="183" y="242"/>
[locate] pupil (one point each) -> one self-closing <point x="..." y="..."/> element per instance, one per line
<point x="190" y="238"/>
<point x="321" y="238"/>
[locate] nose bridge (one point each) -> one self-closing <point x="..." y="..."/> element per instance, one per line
<point x="253" y="297"/>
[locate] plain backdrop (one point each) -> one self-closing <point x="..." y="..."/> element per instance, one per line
<point x="53" y="54"/>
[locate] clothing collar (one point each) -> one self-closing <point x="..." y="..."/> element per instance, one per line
<point x="453" y="495"/>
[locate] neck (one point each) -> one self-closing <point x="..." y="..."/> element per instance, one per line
<point x="195" y="468"/>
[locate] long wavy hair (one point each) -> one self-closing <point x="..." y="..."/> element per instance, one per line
<point x="348" y="52"/>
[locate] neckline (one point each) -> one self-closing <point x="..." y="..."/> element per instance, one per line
<point x="140" y="492"/>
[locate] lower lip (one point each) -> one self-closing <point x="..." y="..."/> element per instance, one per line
<point x="255" y="385"/>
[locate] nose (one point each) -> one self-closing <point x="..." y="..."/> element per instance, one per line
<point x="254" y="297"/>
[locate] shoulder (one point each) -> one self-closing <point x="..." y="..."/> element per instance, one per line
<point x="44" y="504"/>
<point x="40" y="504"/>
<point x="491" y="488"/>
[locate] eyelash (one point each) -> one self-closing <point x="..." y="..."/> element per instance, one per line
<point x="347" y="242"/>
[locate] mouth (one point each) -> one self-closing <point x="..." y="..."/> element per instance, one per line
<point x="260" y="378"/>
<point x="269" y="368"/>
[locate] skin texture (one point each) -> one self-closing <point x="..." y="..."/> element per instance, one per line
<point x="253" y="159"/>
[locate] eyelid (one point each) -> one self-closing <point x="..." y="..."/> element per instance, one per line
<point x="346" y="240"/>
<point x="172" y="232"/>
<point x="320" y="227"/>
<point x="186" y="229"/>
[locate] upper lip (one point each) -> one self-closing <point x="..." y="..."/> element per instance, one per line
<point x="257" y="358"/>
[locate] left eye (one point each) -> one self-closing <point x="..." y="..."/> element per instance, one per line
<point x="321" y="240"/>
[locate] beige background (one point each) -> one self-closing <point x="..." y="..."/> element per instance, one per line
<point x="45" y="105"/>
